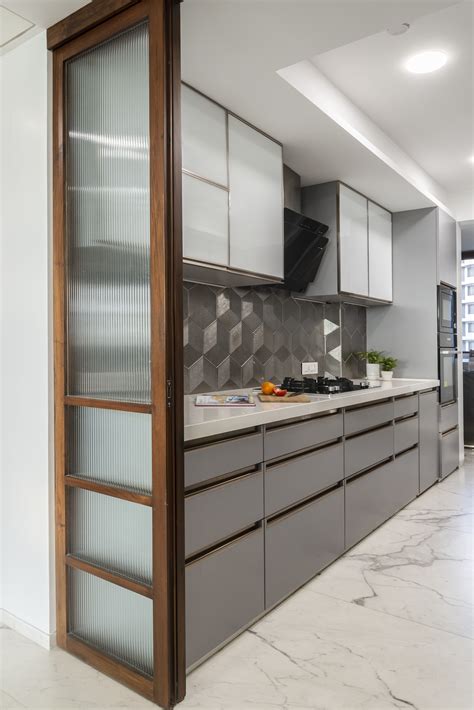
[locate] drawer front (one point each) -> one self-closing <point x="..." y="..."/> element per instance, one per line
<point x="224" y="592"/>
<point x="367" y="417"/>
<point x="378" y="494"/>
<point x="448" y="417"/>
<point x="302" y="435"/>
<point x="404" y="406"/>
<point x="206" y="462"/>
<point x="429" y="439"/>
<point x="222" y="511"/>
<point x="289" y="482"/>
<point x="368" y="449"/>
<point x="449" y="452"/>
<point x="406" y="434"/>
<point x="301" y="543"/>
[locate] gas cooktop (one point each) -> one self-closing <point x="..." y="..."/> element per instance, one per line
<point x="324" y="385"/>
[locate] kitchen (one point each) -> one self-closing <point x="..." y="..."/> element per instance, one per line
<point x="258" y="382"/>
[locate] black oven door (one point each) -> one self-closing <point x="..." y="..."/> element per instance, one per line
<point x="446" y="309"/>
<point x="448" y="358"/>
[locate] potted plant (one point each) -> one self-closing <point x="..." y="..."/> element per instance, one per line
<point x="373" y="359"/>
<point x="388" y="365"/>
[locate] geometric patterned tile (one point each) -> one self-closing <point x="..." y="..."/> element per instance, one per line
<point x="237" y="337"/>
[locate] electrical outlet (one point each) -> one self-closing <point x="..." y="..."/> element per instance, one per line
<point x="309" y="368"/>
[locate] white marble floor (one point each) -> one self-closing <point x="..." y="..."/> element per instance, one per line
<point x="389" y="625"/>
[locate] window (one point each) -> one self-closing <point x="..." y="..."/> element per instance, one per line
<point x="470" y="272"/>
<point x="470" y="309"/>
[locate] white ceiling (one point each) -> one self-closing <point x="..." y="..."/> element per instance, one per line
<point x="44" y="13"/>
<point x="232" y="49"/>
<point x="35" y="16"/>
<point x="430" y="116"/>
<point x="11" y="26"/>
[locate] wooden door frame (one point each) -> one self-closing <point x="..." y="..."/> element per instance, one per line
<point x="84" y="29"/>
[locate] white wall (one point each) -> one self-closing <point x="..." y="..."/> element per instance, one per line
<point x="25" y="436"/>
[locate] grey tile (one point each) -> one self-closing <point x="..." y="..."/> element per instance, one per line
<point x="210" y="337"/>
<point x="250" y="334"/>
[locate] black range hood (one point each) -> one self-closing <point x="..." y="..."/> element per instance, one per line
<point x="304" y="248"/>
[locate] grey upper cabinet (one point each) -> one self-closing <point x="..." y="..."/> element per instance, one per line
<point x="357" y="262"/>
<point x="380" y="252"/>
<point x="232" y="197"/>
<point x="353" y="242"/>
<point x="256" y="200"/>
<point x="447" y="261"/>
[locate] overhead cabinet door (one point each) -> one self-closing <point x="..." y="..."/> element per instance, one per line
<point x="205" y="221"/>
<point x="204" y="137"/>
<point x="256" y="203"/>
<point x="380" y="252"/>
<point x="353" y="242"/>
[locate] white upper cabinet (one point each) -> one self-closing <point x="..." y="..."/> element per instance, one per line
<point x="205" y="221"/>
<point x="380" y="252"/>
<point x="353" y="243"/>
<point x="204" y="137"/>
<point x="256" y="201"/>
<point x="447" y="260"/>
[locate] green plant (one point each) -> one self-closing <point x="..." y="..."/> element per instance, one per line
<point x="388" y="363"/>
<point x="373" y="357"/>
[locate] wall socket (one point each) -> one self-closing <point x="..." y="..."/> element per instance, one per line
<point x="309" y="368"/>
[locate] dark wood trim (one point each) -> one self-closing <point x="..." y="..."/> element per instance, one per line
<point x="133" y="15"/>
<point x="166" y="354"/>
<point x="138" y="587"/>
<point x="106" y="490"/>
<point x="59" y="348"/>
<point x="84" y="19"/>
<point x="105" y="664"/>
<point x="74" y="401"/>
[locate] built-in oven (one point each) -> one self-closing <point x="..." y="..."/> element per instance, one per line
<point x="448" y="368"/>
<point x="446" y="309"/>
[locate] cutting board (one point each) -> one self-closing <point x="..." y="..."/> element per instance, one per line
<point x="277" y="400"/>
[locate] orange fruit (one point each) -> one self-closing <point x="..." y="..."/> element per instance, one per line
<point x="268" y="387"/>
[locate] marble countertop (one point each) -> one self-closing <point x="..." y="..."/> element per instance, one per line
<point x="201" y="422"/>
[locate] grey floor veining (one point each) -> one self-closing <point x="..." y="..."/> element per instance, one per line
<point x="389" y="625"/>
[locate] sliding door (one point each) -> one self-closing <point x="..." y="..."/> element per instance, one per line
<point x="118" y="391"/>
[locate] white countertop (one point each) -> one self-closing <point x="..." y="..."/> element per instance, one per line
<point x="208" y="421"/>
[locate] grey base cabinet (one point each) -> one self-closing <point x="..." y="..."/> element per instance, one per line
<point x="224" y="592"/>
<point x="429" y="449"/>
<point x="449" y="452"/>
<point x="301" y="542"/>
<point x="376" y="495"/>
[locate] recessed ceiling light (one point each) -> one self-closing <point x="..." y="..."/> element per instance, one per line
<point x="395" y="30"/>
<point x="426" y="62"/>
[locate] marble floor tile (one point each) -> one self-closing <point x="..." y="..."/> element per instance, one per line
<point x="386" y="626"/>
<point x="33" y="677"/>
<point x="418" y="566"/>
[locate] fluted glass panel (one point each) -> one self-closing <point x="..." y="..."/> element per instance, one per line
<point x="108" y="220"/>
<point x="111" y="533"/>
<point x="110" y="446"/>
<point x="112" y="619"/>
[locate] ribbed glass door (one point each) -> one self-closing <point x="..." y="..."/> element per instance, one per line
<point x="109" y="542"/>
<point x="108" y="220"/>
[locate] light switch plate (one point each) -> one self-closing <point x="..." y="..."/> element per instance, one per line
<point x="309" y="368"/>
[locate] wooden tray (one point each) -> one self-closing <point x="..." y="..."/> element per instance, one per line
<point x="301" y="398"/>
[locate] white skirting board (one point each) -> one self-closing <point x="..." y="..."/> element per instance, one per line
<point x="42" y="638"/>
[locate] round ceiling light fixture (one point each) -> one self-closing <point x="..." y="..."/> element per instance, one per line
<point x="398" y="29"/>
<point x="426" y="62"/>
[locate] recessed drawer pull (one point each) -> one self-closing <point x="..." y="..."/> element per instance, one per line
<point x="223" y="543"/>
<point x="303" y="504"/>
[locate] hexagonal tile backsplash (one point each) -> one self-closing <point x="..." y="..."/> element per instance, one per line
<point x="238" y="337"/>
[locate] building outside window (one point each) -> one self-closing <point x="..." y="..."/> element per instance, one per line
<point x="467" y="309"/>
